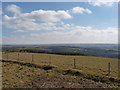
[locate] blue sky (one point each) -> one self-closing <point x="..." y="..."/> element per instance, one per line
<point x="0" y="23"/>
<point x="77" y="23"/>
<point x="101" y="15"/>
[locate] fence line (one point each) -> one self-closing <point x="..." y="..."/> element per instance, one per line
<point x="7" y="55"/>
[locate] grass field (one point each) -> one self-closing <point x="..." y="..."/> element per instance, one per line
<point x="87" y="64"/>
<point x="17" y="74"/>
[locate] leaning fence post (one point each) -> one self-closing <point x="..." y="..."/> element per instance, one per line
<point x="74" y="63"/>
<point x="108" y="68"/>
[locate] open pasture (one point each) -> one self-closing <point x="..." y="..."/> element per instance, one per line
<point x="87" y="64"/>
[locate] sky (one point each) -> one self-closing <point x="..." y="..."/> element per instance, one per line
<point x="59" y="22"/>
<point x="0" y="23"/>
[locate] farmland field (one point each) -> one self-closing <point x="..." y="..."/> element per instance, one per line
<point x="87" y="64"/>
<point x="57" y="71"/>
<point x="21" y="75"/>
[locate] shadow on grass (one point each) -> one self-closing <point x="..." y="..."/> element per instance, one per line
<point x="72" y="72"/>
<point x="45" y="67"/>
<point x="95" y="78"/>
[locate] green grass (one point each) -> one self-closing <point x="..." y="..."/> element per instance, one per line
<point x="87" y="64"/>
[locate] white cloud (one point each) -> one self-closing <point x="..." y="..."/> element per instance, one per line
<point x="48" y="15"/>
<point x="20" y="31"/>
<point x="83" y="35"/>
<point x="32" y="26"/>
<point x="40" y="19"/>
<point x="42" y="15"/>
<point x="49" y="18"/>
<point x="80" y="10"/>
<point x="102" y="2"/>
<point x="38" y="15"/>
<point x="14" y="8"/>
<point x="52" y="20"/>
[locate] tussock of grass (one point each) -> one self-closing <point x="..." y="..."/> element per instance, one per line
<point x="96" y="78"/>
<point x="102" y="79"/>
<point x="72" y="72"/>
<point x="47" y="67"/>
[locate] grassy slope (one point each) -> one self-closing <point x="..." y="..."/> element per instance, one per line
<point x="87" y="64"/>
<point x="18" y="74"/>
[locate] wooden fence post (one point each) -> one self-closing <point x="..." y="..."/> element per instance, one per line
<point x="49" y="60"/>
<point x="32" y="58"/>
<point x="74" y="63"/>
<point x="7" y="55"/>
<point x="109" y="68"/>
<point x="18" y="57"/>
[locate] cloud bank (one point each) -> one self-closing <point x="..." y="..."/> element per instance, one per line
<point x="52" y="22"/>
<point x="82" y="35"/>
<point x="46" y="18"/>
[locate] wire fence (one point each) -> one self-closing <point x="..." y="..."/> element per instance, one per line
<point x="87" y="64"/>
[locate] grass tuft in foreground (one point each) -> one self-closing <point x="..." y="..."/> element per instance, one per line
<point x="22" y="74"/>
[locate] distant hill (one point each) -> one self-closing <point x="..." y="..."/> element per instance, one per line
<point x="99" y="50"/>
